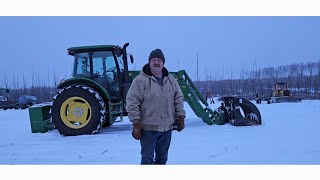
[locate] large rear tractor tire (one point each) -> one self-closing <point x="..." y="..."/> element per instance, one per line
<point x="78" y="110"/>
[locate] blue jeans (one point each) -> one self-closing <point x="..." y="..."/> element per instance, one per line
<point x="155" y="146"/>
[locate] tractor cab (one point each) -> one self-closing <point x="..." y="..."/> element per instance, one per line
<point x="105" y="64"/>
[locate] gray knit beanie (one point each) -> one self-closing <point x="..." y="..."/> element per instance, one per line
<point x="157" y="53"/>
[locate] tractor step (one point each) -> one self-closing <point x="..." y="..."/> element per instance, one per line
<point x="115" y="108"/>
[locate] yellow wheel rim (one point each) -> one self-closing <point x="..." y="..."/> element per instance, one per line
<point x="75" y="112"/>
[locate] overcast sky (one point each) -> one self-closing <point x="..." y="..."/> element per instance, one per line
<point x="224" y="44"/>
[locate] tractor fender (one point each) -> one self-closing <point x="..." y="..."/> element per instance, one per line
<point x="88" y="82"/>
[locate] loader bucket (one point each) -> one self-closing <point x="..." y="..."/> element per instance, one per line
<point x="241" y="112"/>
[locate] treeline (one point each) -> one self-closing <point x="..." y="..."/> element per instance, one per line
<point x="43" y="93"/>
<point x="43" y="89"/>
<point x="303" y="80"/>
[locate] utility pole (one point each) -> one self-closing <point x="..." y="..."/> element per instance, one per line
<point x="206" y="77"/>
<point x="197" y="71"/>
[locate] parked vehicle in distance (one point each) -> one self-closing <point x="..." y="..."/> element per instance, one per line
<point x="26" y="101"/>
<point x="5" y="101"/>
<point x="3" y="98"/>
<point x="23" y="102"/>
<point x="281" y="93"/>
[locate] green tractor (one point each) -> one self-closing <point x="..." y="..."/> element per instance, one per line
<point x="95" y="96"/>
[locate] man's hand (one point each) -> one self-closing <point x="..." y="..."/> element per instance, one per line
<point x="136" y="131"/>
<point x="179" y="124"/>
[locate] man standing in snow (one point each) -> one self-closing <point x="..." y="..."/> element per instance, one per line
<point x="155" y="108"/>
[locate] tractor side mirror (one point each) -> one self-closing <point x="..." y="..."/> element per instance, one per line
<point x="131" y="58"/>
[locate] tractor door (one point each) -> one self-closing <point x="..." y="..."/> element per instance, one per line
<point x="106" y="72"/>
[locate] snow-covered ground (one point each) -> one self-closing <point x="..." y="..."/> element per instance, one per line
<point x="289" y="135"/>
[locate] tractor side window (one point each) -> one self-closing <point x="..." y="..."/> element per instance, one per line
<point x="82" y="64"/>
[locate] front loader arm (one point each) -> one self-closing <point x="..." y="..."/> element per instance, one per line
<point x="196" y="100"/>
<point x="229" y="111"/>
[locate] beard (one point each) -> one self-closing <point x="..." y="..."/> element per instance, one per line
<point x="156" y="68"/>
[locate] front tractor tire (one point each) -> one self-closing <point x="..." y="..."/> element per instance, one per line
<point x="78" y="110"/>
